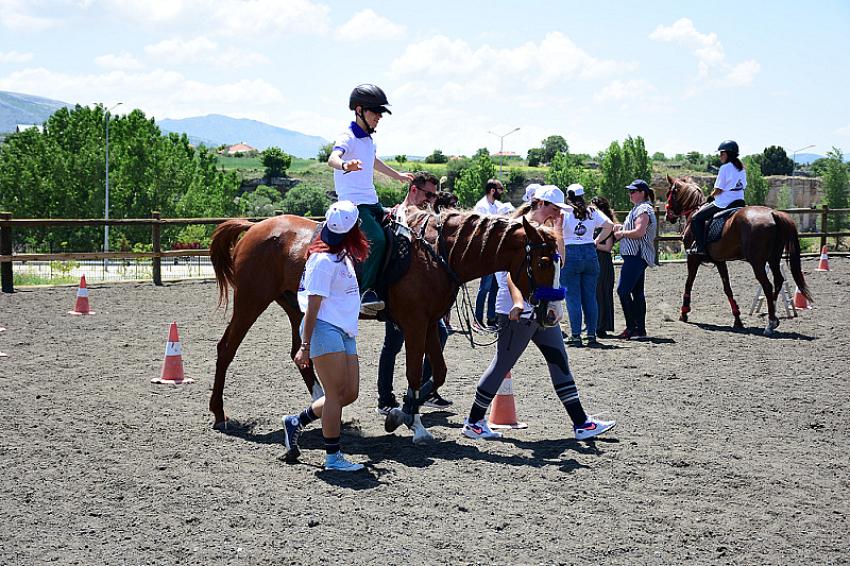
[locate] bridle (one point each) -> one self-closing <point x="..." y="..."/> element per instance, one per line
<point x="670" y="207"/>
<point x="540" y="296"/>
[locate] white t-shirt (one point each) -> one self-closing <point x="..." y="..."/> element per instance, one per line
<point x="356" y="186"/>
<point x="581" y="231"/>
<point x="733" y="183"/>
<point x="484" y="207"/>
<point x="504" y="302"/>
<point x="336" y="281"/>
<point x="507" y="208"/>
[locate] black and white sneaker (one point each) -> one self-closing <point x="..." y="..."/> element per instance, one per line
<point x="291" y="431"/>
<point x="370" y="303"/>
<point x="384" y="409"/>
<point x="435" y="401"/>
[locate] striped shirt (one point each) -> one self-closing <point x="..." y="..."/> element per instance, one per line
<point x="645" y="246"/>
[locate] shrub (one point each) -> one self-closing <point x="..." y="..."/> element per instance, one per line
<point x="305" y="200"/>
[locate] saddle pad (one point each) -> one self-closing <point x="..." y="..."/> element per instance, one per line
<point x="715" y="227"/>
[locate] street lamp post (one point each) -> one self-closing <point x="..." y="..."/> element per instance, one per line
<point x="502" y="146"/>
<point x="794" y="159"/>
<point x="106" y="205"/>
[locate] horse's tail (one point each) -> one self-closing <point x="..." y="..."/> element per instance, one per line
<point x="221" y="254"/>
<point x="790" y="241"/>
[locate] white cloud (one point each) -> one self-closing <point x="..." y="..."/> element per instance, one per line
<point x="272" y="16"/>
<point x="152" y="11"/>
<point x="201" y="49"/>
<point x="743" y="73"/>
<point x="368" y="25"/>
<point x="159" y="93"/>
<point x="845" y="131"/>
<point x="14" y="57"/>
<point x="15" y="14"/>
<point x="122" y="60"/>
<point x="537" y="64"/>
<point x="623" y="90"/>
<point x="711" y="57"/>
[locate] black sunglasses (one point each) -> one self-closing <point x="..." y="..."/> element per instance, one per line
<point x="428" y="194"/>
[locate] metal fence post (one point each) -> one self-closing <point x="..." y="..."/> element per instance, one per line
<point x="156" y="233"/>
<point x="6" y="277"/>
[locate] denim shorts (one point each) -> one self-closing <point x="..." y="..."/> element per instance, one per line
<point x="328" y="339"/>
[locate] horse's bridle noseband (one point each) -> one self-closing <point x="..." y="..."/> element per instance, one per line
<point x="540" y="296"/>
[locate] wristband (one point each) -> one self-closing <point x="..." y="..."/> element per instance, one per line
<point x="343" y="167"/>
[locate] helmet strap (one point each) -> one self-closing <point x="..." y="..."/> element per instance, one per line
<point x="369" y="129"/>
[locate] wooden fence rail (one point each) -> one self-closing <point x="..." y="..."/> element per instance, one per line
<point x="7" y="223"/>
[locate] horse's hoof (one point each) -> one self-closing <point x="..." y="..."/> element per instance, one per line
<point x="683" y="318"/>
<point x="395" y="419"/>
<point x="424" y="437"/>
<point x="738" y="324"/>
<point x="221" y="426"/>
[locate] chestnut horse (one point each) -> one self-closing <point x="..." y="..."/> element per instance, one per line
<point x="447" y="249"/>
<point x="756" y="234"/>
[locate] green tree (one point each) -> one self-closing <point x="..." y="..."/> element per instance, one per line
<point x="562" y="171"/>
<point x="325" y="152"/>
<point x="516" y="180"/>
<point x="481" y="151"/>
<point x="535" y="156"/>
<point x="636" y="158"/>
<point x="552" y="146"/>
<point x="305" y="200"/>
<point x="694" y="159"/>
<point x="276" y="162"/>
<point x="835" y="186"/>
<point x="436" y="157"/>
<point x="401" y="160"/>
<point x="454" y="168"/>
<point x="658" y="156"/>
<point x="774" y="161"/>
<point x="757" y="187"/>
<point x="263" y="201"/>
<point x="619" y="167"/>
<point x="469" y="187"/>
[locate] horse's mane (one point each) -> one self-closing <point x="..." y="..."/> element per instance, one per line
<point x="690" y="194"/>
<point x="463" y="230"/>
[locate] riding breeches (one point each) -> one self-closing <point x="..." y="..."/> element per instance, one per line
<point x="371" y="216"/>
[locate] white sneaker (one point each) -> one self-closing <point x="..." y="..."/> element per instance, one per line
<point x="338" y="462"/>
<point x="479" y="430"/>
<point x="593" y="427"/>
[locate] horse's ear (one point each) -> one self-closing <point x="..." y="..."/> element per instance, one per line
<point x="671" y="180"/>
<point x="531" y="232"/>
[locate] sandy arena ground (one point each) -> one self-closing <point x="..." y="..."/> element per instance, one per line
<point x="730" y="447"/>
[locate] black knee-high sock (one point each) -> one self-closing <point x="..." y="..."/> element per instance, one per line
<point x="331" y="444"/>
<point x="307" y="416"/>
<point x="480" y="405"/>
<point x="568" y="394"/>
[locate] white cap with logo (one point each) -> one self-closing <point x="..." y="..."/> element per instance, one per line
<point x="529" y="192"/>
<point x="577" y="189"/>
<point x="340" y="218"/>
<point x="551" y="193"/>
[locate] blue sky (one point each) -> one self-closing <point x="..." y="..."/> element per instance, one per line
<point x="683" y="75"/>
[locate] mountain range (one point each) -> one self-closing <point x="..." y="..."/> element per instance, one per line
<point x="212" y="130"/>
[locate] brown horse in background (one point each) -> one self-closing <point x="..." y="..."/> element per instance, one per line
<point x="756" y="234"/>
<point x="447" y="249"/>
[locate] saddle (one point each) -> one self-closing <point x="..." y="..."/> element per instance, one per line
<point x="715" y="226"/>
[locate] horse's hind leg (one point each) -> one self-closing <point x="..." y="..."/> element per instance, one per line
<point x="693" y="266"/>
<point x="775" y="263"/>
<point x="308" y="374"/>
<point x="760" y="272"/>
<point x="727" y="288"/>
<point x="245" y="313"/>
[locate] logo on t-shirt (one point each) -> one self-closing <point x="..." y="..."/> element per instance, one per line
<point x="580" y="229"/>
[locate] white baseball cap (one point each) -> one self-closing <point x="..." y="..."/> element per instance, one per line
<point x="577" y="189"/>
<point x="340" y="218"/>
<point x="529" y="191"/>
<point x="551" y="193"/>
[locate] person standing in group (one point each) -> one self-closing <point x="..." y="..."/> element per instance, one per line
<point x="728" y="193"/>
<point x="421" y="192"/>
<point x="637" y="247"/>
<point x="517" y="328"/>
<point x="354" y="161"/>
<point x="489" y="204"/>
<point x="329" y="297"/>
<point x="605" y="284"/>
<point x="581" y="266"/>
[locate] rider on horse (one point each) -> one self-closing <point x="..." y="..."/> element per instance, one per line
<point x="354" y="159"/>
<point x="728" y="193"/>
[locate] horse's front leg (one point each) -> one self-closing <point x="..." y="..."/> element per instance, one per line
<point x="727" y="288"/>
<point x="693" y="266"/>
<point x="414" y="341"/>
<point x="772" y="322"/>
<point x="308" y="374"/>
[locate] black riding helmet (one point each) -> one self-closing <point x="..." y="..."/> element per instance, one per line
<point x="370" y="97"/>
<point x="730" y="147"/>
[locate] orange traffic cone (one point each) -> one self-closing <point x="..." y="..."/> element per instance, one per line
<point x="823" y="265"/>
<point x="82" y="305"/>
<point x="800" y="300"/>
<point x="172" y="367"/>
<point x="503" y="411"/>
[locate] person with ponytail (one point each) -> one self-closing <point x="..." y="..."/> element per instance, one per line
<point x="581" y="266"/>
<point x="329" y="297"/>
<point x="728" y="193"/>
<point x="605" y="284"/>
<point x="518" y="328"/>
